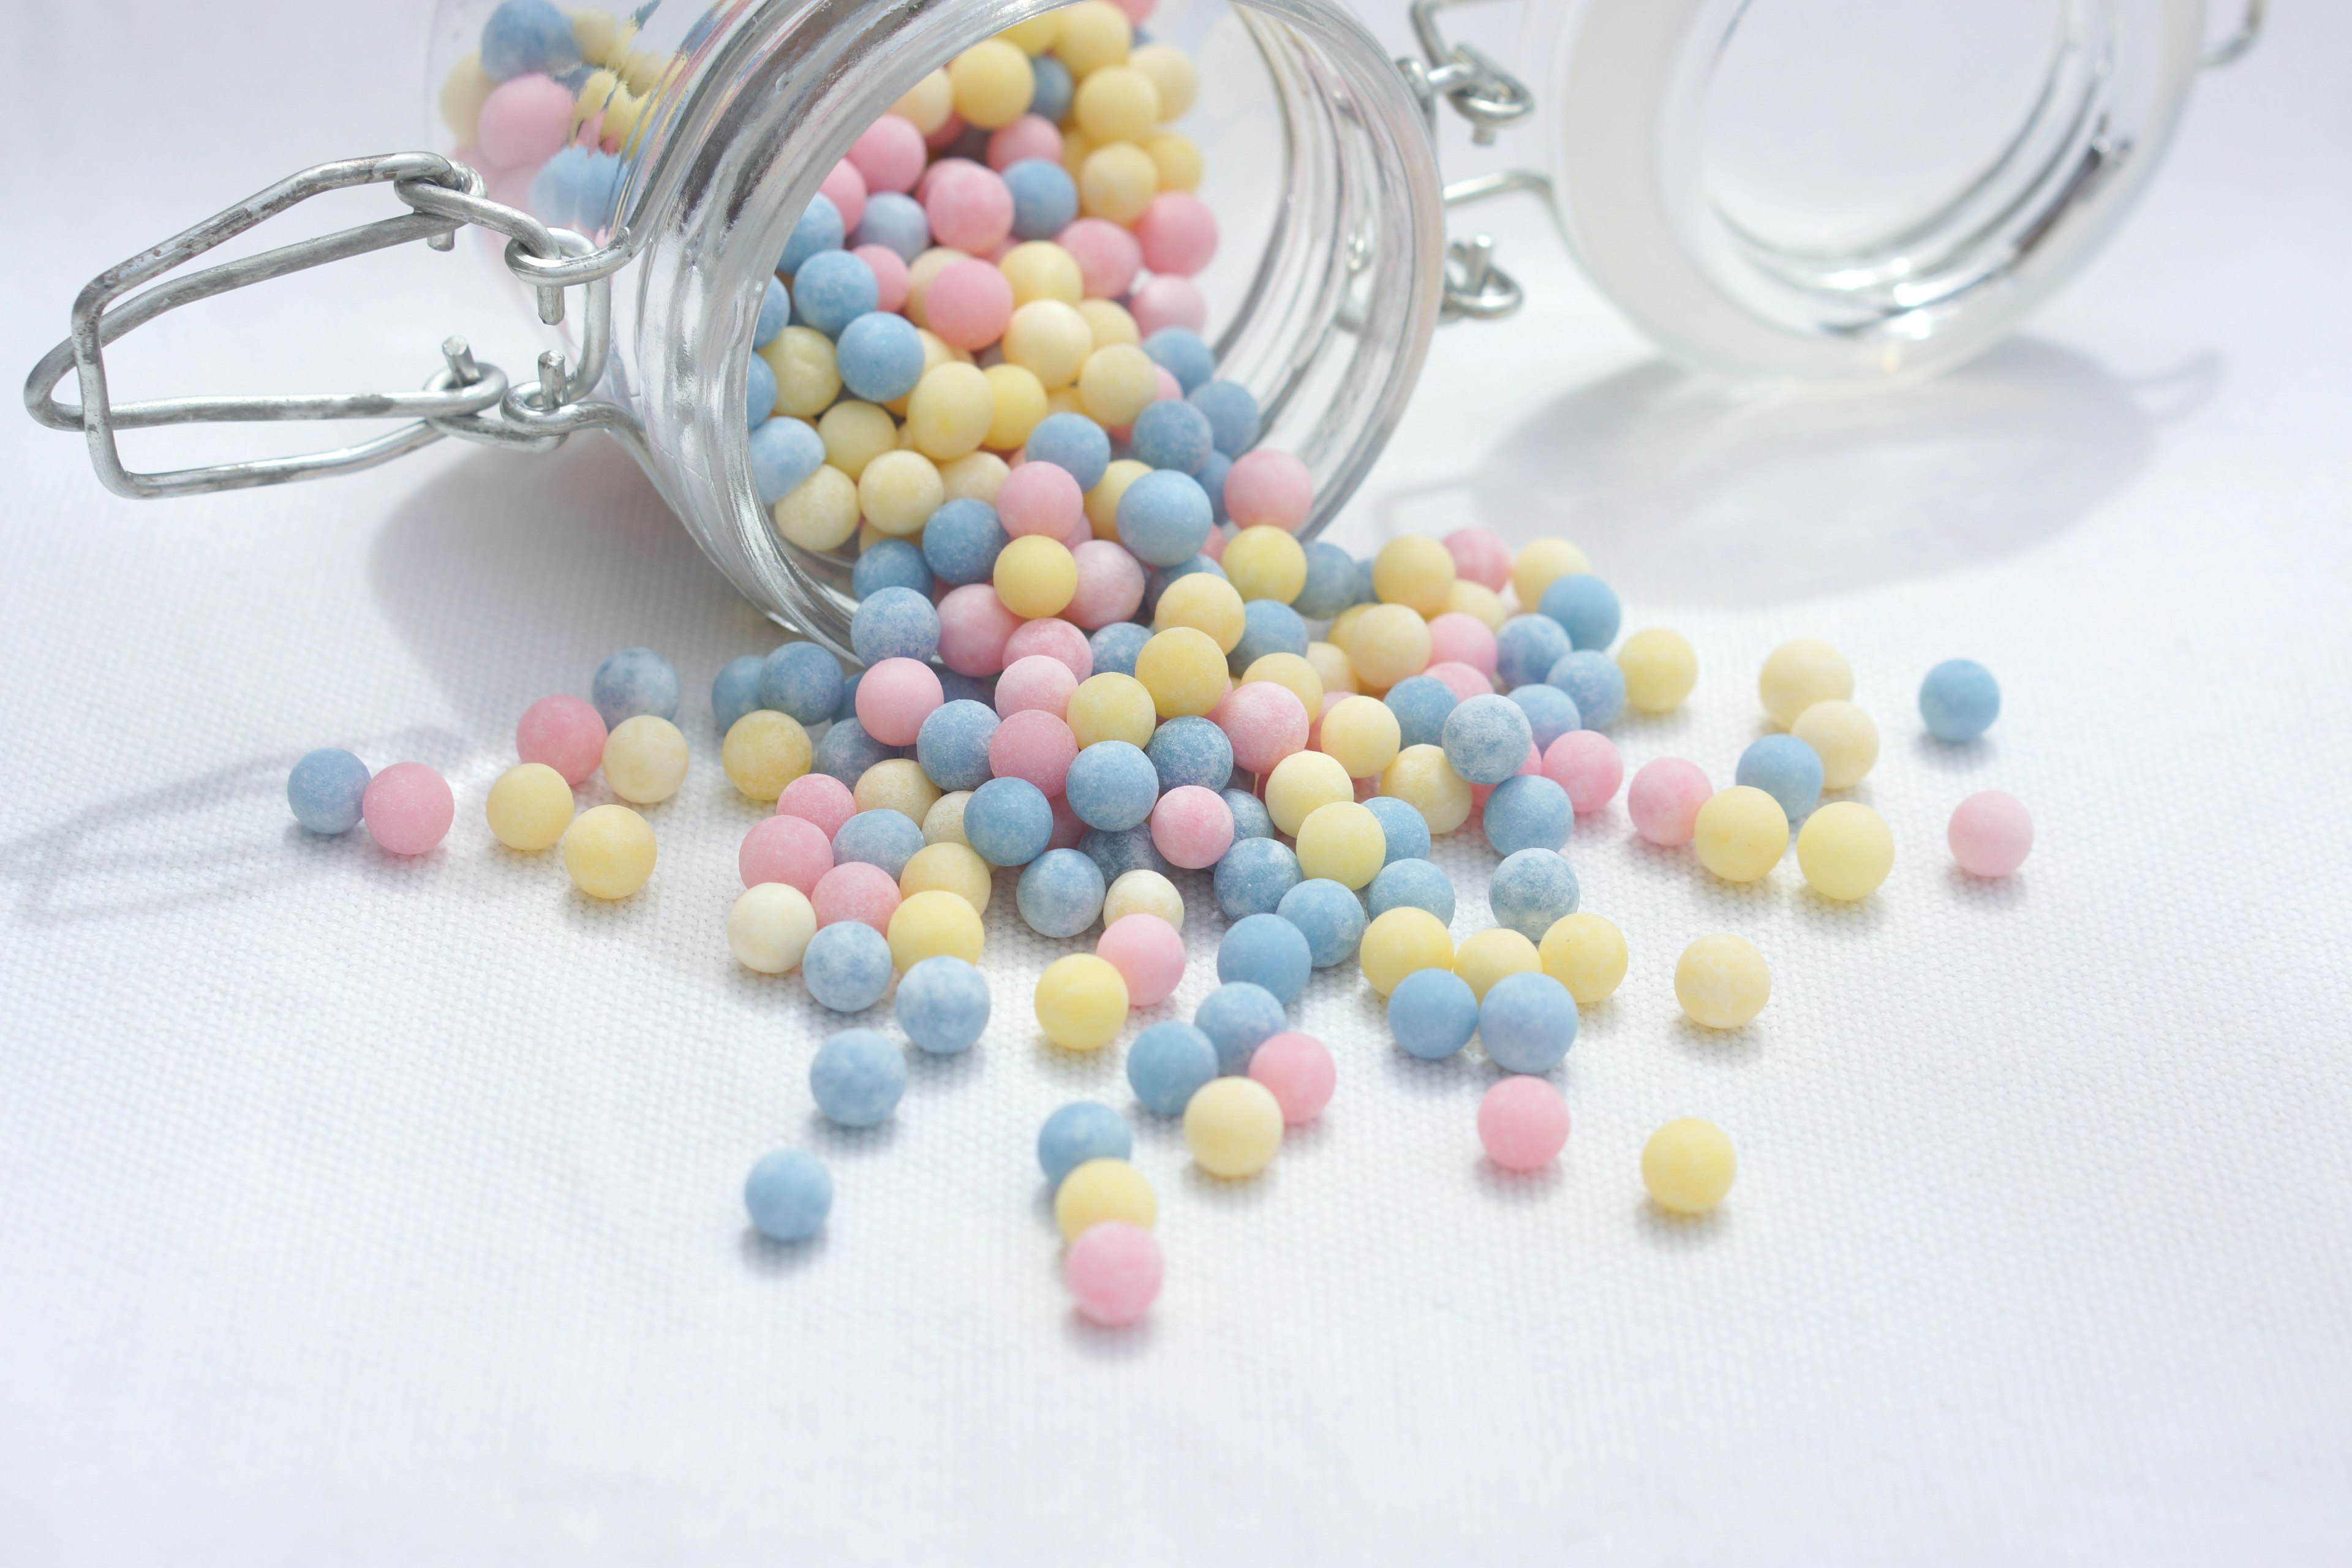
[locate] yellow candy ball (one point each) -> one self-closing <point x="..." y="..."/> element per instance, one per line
<point x="1290" y="672"/>
<point x="1036" y="576"/>
<point x="932" y="922"/>
<point x="1172" y="75"/>
<point x="1117" y="183"/>
<point x="1094" y="34"/>
<point x="1485" y="956"/>
<point x="856" y="434"/>
<point x="950" y="411"/>
<point x="1020" y="403"/>
<point x="1050" y="340"/>
<point x="1798" y="673"/>
<point x="1205" y="602"/>
<point x="1538" y="563"/>
<point x="1233" y="1125"/>
<point x="1660" y="668"/>
<point x="1141" y="892"/>
<point x="1184" y="671"/>
<point x="1741" y="833"/>
<point x="609" y="851"/>
<point x="1100" y="1190"/>
<point x="1036" y="35"/>
<point x="467" y="88"/>
<point x="528" y="807"/>
<point x="896" y="784"/>
<point x="943" y="824"/>
<point x="1425" y="781"/>
<point x="1116" y="103"/>
<point x="822" y="513"/>
<point x="1081" y="1002"/>
<point x="976" y="475"/>
<point x="1302" y="782"/>
<point x="1722" y="981"/>
<point x="1177" y="159"/>
<point x="1414" y="571"/>
<point x="927" y="103"/>
<point x="1341" y="842"/>
<point x="1342" y="632"/>
<point x="1585" y="952"/>
<point x="807" y="377"/>
<point x="1265" y="563"/>
<point x="948" y="866"/>
<point x="1362" y="735"/>
<point x="1331" y="666"/>
<point x="1845" y="739"/>
<point x="1688" y="1166"/>
<point x="1102" y="501"/>
<point x="1117" y="383"/>
<point x="770" y="927"/>
<point x="763" y="752"/>
<point x="1075" y="145"/>
<point x="1388" y="643"/>
<point x="1040" y="270"/>
<point x="1108" y="321"/>
<point x="900" y="491"/>
<point x="992" y="83"/>
<point x="644" y="759"/>
<point x="1478" y="601"/>
<point x="1401" y="941"/>
<point x="1845" y="850"/>
<point x="1111" y="707"/>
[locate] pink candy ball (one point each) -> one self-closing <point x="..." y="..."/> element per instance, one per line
<point x="1265" y="721"/>
<point x="1107" y="255"/>
<point x="1137" y="11"/>
<point x="1665" y="798"/>
<point x="1177" y="234"/>
<point x="1056" y="639"/>
<point x="785" y="850"/>
<point x="1036" y="498"/>
<point x="1113" y="1271"/>
<point x="971" y="208"/>
<point x="1068" y="830"/>
<point x="974" y="626"/>
<point x="1298" y="1071"/>
<point x="1585" y="764"/>
<point x="1315" y="730"/>
<point x="1035" y="682"/>
<point x="1214" y="547"/>
<point x="1480" y="555"/>
<point x="1464" y="681"/>
<point x="1457" y="638"/>
<point x="895" y="697"/>
<point x="1110" y="585"/>
<point x="408" y="808"/>
<point x="1269" y="488"/>
<point x="1167" y="302"/>
<point x="820" y="799"/>
<point x="846" y="189"/>
<point x="855" y="890"/>
<point x="968" y="305"/>
<point x="564" y="732"/>
<point x="1991" y="832"/>
<point x="1192" y="827"/>
<point x="890" y="279"/>
<point x="940" y="140"/>
<point x="1030" y="136"/>
<point x="1522" y="1122"/>
<point x="1171" y="389"/>
<point x="1148" y="955"/>
<point x="889" y="154"/>
<point x="525" y="122"/>
<point x="1035" y="744"/>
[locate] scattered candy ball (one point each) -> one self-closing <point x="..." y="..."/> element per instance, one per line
<point x="566" y="734"/>
<point x="1958" y="700"/>
<point x="1990" y="834"/>
<point x="1113" y="1271"/>
<point x="1687" y="1166"/>
<point x="408" y="808"/>
<point x="788" y="1195"/>
<point x="1843" y="737"/>
<point x="769" y="928"/>
<point x="1298" y="1071"/>
<point x="528" y="807"/>
<point x="1845" y="850"/>
<point x="1527" y="1021"/>
<point x="1722" y="981"/>
<point x="1099" y="1190"/>
<point x="1587" y="954"/>
<point x="846" y="964"/>
<point x="1232" y="1126"/>
<point x="1660" y="669"/>
<point x="1522" y="1123"/>
<point x="608" y="852"/>
<point x="1741" y="833"/>
<point x="644" y="759"/>
<point x="1077" y="1132"/>
<point x="1081" y="1002"/>
<point x="326" y="791"/>
<point x="1801" y="673"/>
<point x="857" y="1077"/>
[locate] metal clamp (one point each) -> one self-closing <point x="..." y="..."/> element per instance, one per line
<point x="1490" y="99"/>
<point x="443" y="196"/>
<point x="2229" y="50"/>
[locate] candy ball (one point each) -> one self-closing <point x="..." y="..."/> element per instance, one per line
<point x="765" y="752"/>
<point x="1585" y="607"/>
<point x="1843" y="737"/>
<point x="1184" y="671"/>
<point x="1112" y="786"/>
<point x="1587" y="765"/>
<point x="1081" y="1002"/>
<point x="1527" y="812"/>
<point x="1958" y="700"/>
<point x="857" y="1077"/>
<point x="523" y="121"/>
<point x="609" y="851"/>
<point x="735" y="690"/>
<point x="1687" y="1166"/>
<point x="943" y="824"/>
<point x="769" y="927"/>
<point x="802" y="679"/>
<point x="1389" y="644"/>
<point x="633" y="681"/>
<point x="821" y="799"/>
<point x="1801" y="673"/>
<point x="1485" y="739"/>
<point x="1060" y="894"/>
<point x="1456" y="638"/>
<point x="1144" y="892"/>
<point x="1485" y="956"/>
<point x="847" y="751"/>
<point x="785" y="849"/>
<point x="1303" y="783"/>
<point x="1424" y="780"/>
<point x="1528" y="648"/>
<point x="1077" y="1132"/>
<point x="1741" y="833"/>
<point x="847" y="965"/>
<point x="1432" y="1013"/>
<point x="932" y="923"/>
<point x="1530" y="890"/>
<point x="1114" y="1271"/>
<point x="1253" y="876"/>
<point x="1522" y="1123"/>
<point x="974" y="626"/>
<point x="1148" y="954"/>
<point x="1542" y="563"/>
<point x="1341" y="842"/>
<point x="1527" y="1021"/>
<point x="1990" y="834"/>
<point x="1163" y="515"/>
<point x="1232" y="1127"/>
<point x="1102" y="1190"/>
<point x="1722" y="981"/>
<point x="1596" y="685"/>
<point x="1665" y="798"/>
<point x="1110" y="585"/>
<point x="1267" y="952"/>
<point x="857" y="891"/>
<point x="878" y="836"/>
<point x="1265" y="723"/>
<point x="952" y="746"/>
<point x="408" y="807"/>
<point x="326" y="788"/>
<point x="1660" y="668"/>
<point x="1362" y="735"/>
<point x="1192" y="827"/>
<point x="567" y="734"/>
<point x="1585" y="952"/>
<point x="1328" y="916"/>
<point x="888" y="154"/>
<point x="1413" y="570"/>
<point x="992" y="83"/>
<point x="1298" y="1071"/>
<point x="1845" y="850"/>
<point x="788" y="1195"/>
<point x="1412" y="883"/>
<point x="946" y="865"/>
<point x="1401" y="941"/>
<point x="644" y="759"/>
<point x="530" y="805"/>
<point x="1205" y="602"/>
<point x="1109" y="706"/>
<point x="1237" y="1016"/>
<point x="1785" y="768"/>
<point x="1107" y="255"/>
<point x="1007" y="822"/>
<point x="1037" y="681"/>
<point x="1168" y="1064"/>
<point x="1420" y="705"/>
<point x="1033" y="745"/>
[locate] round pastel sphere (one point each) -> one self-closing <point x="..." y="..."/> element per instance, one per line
<point x="1168" y="1064"/>
<point x="1328" y="916"/>
<point x="1007" y="822"/>
<point x="1265" y="723"/>
<point x="1785" y="768"/>
<point x="1039" y="498"/>
<point x="1034" y="683"/>
<point x="1251" y="818"/>
<point x="1148" y="954"/>
<point x="1035" y="745"/>
<point x="961" y="541"/>
<point x="1424" y="780"/>
<point x="895" y="697"/>
<point x="565" y="733"/>
<point x="821" y="799"/>
<point x="1527" y="649"/>
<point x="408" y="808"/>
<point x="857" y="891"/>
<point x="1269" y="952"/>
<point x="1990" y="834"/>
<point x="934" y="923"/>
<point x="1035" y="577"/>
<point x="974" y="626"/>
<point x="1586" y="765"/>
<point x="1099" y="1191"/>
<point x="1269" y="629"/>
<point x="946" y="867"/>
<point x="1232" y="1126"/>
<point x="1116" y="182"/>
<point x="1184" y="671"/>
<point x="832" y="289"/>
<point x="1412" y="883"/>
<point x="1722" y="981"/>
<point x="1551" y="712"/>
<point x="943" y="824"/>
<point x="523" y="121"/>
<point x="1081" y="1131"/>
<point x="1109" y="706"/>
<point x="1301" y="783"/>
<point x="889" y="563"/>
<point x="1060" y="894"/>
<point x="1342" y="842"/>
<point x="1664" y="799"/>
<point x="894" y="224"/>
<point x="785" y="849"/>
<point x="879" y="836"/>
<point x="1845" y="738"/>
<point x="1687" y="1166"/>
<point x="1485" y="739"/>
<point x="970" y="208"/>
<point x="847" y="965"/>
<point x="1142" y="891"/>
<point x="1237" y="1016"/>
<point x="326" y="789"/>
<point x="1457" y="638"/>
<point x="1192" y="827"/>
<point x="1530" y="890"/>
<point x="1205" y="602"/>
<point x="1112" y="784"/>
<point x="1110" y="585"/>
<point x="1542" y="563"/>
<point x="1413" y="570"/>
<point x="633" y="681"/>
<point x="888" y="154"/>
<point x="879" y="356"/>
<point x="1420" y="705"/>
<point x="763" y="753"/>
<point x="1594" y="683"/>
<point x="1114" y="1271"/>
<point x="1173" y="435"/>
<point x="948" y="416"/>
<point x="530" y="805"/>
<point x="1253" y="876"/>
<point x="644" y="759"/>
<point x="1845" y="850"/>
<point x="952" y="746"/>
<point x="857" y="1077"/>
<point x="803" y="680"/>
<point x="1116" y="383"/>
<point x="1799" y="673"/>
<point x="1404" y="833"/>
<point x="992" y="82"/>
<point x="1044" y="196"/>
<point x="1265" y="562"/>
<point x="1487" y="956"/>
<point x="1585" y="952"/>
<point x="1107" y="255"/>
<point x="1527" y="1021"/>
<point x="895" y="623"/>
<point x="1480" y="555"/>
<point x="1462" y="680"/>
<point x="1401" y="941"/>
<point x="608" y="852"/>
<point x="1527" y="812"/>
<point x="1585" y="607"/>
<point x="1389" y="643"/>
<point x="786" y="453"/>
<point x="1292" y="673"/>
<point x="1163" y="515"/>
<point x="1958" y="700"/>
<point x="1081" y="1002"/>
<point x="1659" y="668"/>
<point x="1362" y="735"/>
<point x="1522" y="1123"/>
<point x="1432" y="1013"/>
<point x="788" y="1195"/>
<point x="1741" y="833"/>
<point x="1298" y="1070"/>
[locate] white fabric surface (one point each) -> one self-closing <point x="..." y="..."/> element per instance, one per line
<point x="364" y="1211"/>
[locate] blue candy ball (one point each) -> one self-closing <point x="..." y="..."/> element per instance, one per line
<point x="1253" y="877"/>
<point x="1181" y="352"/>
<point x="1237" y="1018"/>
<point x="1526" y="648"/>
<point x="858" y="1075"/>
<point x="1115" y="645"/>
<point x="1410" y="884"/>
<point x="1527" y="1022"/>
<point x="1050" y="97"/>
<point x="1128" y="849"/>
<point x="1550" y="711"/>
<point x="1172" y="434"/>
<point x="1529" y="812"/>
<point x="634" y="681"/>
<point x="784" y="454"/>
<point x="895" y="623"/>
<point x="1268" y="626"/>
<point x="788" y="1194"/>
<point x="1231" y="413"/>
<point x="1959" y="699"/>
<point x="847" y="967"/>
<point x="1112" y="786"/>
<point x="1168" y="1064"/>
<point x="1421" y="704"/>
<point x="1079" y="1131"/>
<point x="1785" y="768"/>
<point x="942" y="1003"/>
<point x="1008" y="822"/>
<point x="955" y="688"/>
<point x="325" y="789"/>
<point x="1594" y="683"/>
<point x="1585" y="607"/>
<point x="832" y="289"/>
<point x="1432" y="1013"/>
<point x="1163" y="517"/>
<point x="1252" y="820"/>
<point x="1327" y="915"/>
<point x="1212" y="473"/>
<point x="880" y="355"/>
<point x="775" y="313"/>
<point x="885" y="838"/>
<point x="951" y="746"/>
<point x="1530" y="890"/>
<point x="961" y="541"/>
<point x="890" y="563"/>
<point x="1191" y="749"/>
<point x="802" y="679"/>
<point x="526" y="35"/>
<point x="1487" y="739"/>
<point x="895" y="222"/>
<point x="1044" y="198"/>
<point x="735" y="690"/>
<point x="1072" y="443"/>
<point x="1331" y="582"/>
<point x="1407" y="830"/>
<point x="816" y="231"/>
<point x="1060" y="894"/>
<point x="758" y="394"/>
<point x="1268" y="951"/>
<point x="846" y="750"/>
